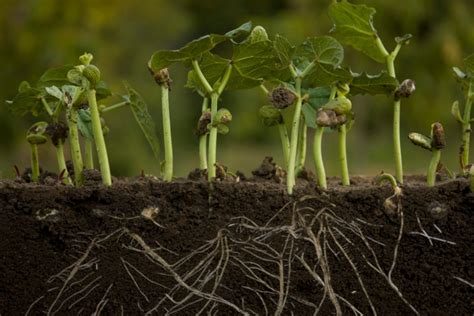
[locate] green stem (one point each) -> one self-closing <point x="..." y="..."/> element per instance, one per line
<point x="431" y="176"/>
<point x="396" y="122"/>
<point x="203" y="140"/>
<point x="89" y="160"/>
<point x="318" y="158"/>
<point x="212" y="139"/>
<point x="343" y="155"/>
<point x="62" y="163"/>
<point x="99" y="139"/>
<point x="76" y="154"/>
<point x="168" y="174"/>
<point x="47" y="107"/>
<point x="466" y="128"/>
<point x="285" y="142"/>
<point x="264" y="89"/>
<point x="290" y="180"/>
<point x="302" y="146"/>
<point x="35" y="171"/>
<point x="115" y="106"/>
<point x="201" y="77"/>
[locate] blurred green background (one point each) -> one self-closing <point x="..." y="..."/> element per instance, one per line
<point x="38" y="34"/>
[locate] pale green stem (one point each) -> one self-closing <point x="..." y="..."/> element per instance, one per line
<point x="212" y="140"/>
<point x="62" y="163"/>
<point x="302" y="146"/>
<point x="201" y="77"/>
<point x="99" y="139"/>
<point x="203" y="140"/>
<point x="290" y="180"/>
<point x="343" y="155"/>
<point x="318" y="158"/>
<point x="466" y="129"/>
<point x="76" y="154"/>
<point x="285" y="143"/>
<point x="212" y="156"/>
<point x="115" y="106"/>
<point x="89" y="154"/>
<point x="264" y="89"/>
<point x="396" y="122"/>
<point x="35" y="171"/>
<point x="168" y="174"/>
<point x="431" y="176"/>
<point x="47" y="107"/>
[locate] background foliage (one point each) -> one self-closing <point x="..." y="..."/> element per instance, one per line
<point x="37" y="34"/>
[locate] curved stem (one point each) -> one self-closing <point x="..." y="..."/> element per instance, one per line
<point x="431" y="176"/>
<point x="318" y="158"/>
<point x="201" y="77"/>
<point x="290" y="180"/>
<point x="396" y="122"/>
<point x="301" y="146"/>
<point x="168" y="174"/>
<point x="89" y="162"/>
<point x="99" y="139"/>
<point x="47" y="107"/>
<point x="115" y="106"/>
<point x="75" y="147"/>
<point x="343" y="155"/>
<point x="35" y="171"/>
<point x="203" y="140"/>
<point x="466" y="129"/>
<point x="62" y="163"/>
<point x="285" y="143"/>
<point x="212" y="140"/>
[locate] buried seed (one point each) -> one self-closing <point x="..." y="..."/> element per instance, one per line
<point x="438" y="210"/>
<point x="47" y="214"/>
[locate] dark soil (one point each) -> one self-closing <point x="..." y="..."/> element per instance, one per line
<point x="70" y="251"/>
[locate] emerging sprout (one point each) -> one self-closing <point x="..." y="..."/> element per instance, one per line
<point x="92" y="73"/>
<point x="392" y="205"/>
<point x="36" y="136"/>
<point x="86" y="58"/>
<point x="405" y="90"/>
<point x="434" y="144"/>
<point x="281" y="98"/>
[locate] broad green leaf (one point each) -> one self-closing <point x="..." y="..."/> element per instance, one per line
<point x="55" y="77"/>
<point x="27" y="101"/>
<point x="193" y="50"/>
<point x="213" y="68"/>
<point x="353" y="25"/>
<point x="317" y="97"/>
<point x="284" y="50"/>
<point x="143" y="118"/>
<point x="322" y="50"/>
<point x="382" y="83"/>
<point x="84" y="123"/>
<point x="327" y="75"/>
<point x="255" y="61"/>
<point x="102" y="91"/>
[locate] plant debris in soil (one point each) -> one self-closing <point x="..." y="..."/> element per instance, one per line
<point x="145" y="246"/>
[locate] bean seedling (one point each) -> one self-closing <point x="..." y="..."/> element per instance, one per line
<point x="435" y="143"/>
<point x="36" y="136"/>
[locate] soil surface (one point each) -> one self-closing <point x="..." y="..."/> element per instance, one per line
<point x="238" y="247"/>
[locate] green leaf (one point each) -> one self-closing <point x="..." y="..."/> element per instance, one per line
<point x="102" y="91"/>
<point x="193" y="50"/>
<point x="327" y="75"/>
<point x="252" y="63"/>
<point x="317" y="97"/>
<point x="382" y="83"/>
<point x="420" y="140"/>
<point x="84" y="123"/>
<point x="322" y="50"/>
<point x="284" y="50"/>
<point x="213" y="68"/>
<point x="26" y="102"/>
<point x="143" y="118"/>
<point x="353" y="25"/>
<point x="222" y="129"/>
<point x="55" y="77"/>
<point x="258" y="34"/>
<point x="55" y="92"/>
